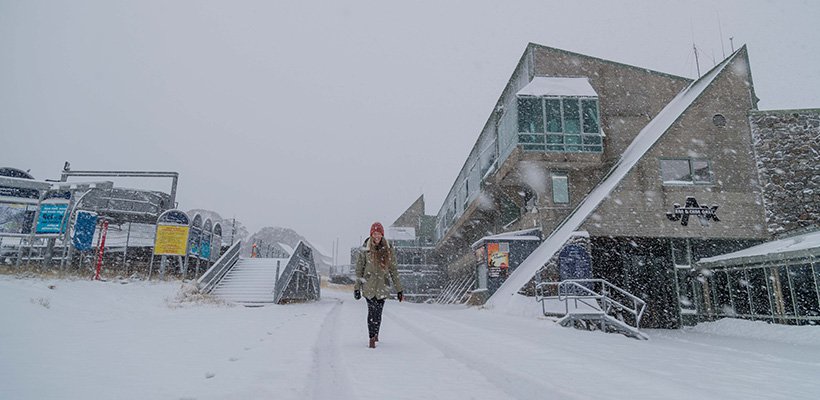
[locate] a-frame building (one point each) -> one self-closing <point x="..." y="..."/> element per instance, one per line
<point x="580" y="143"/>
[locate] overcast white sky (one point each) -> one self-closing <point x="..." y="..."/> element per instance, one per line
<point x="327" y="116"/>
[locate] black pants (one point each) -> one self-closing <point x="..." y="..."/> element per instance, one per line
<point x="374" y="315"/>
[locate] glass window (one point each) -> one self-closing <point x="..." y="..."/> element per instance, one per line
<point x="555" y="139"/>
<point x="590" y="113"/>
<point x="530" y="115"/>
<point x="805" y="292"/>
<point x="553" y="107"/>
<point x="571" y="124"/>
<point x="686" y="171"/>
<point x="722" y="299"/>
<point x="530" y="138"/>
<point x="590" y="139"/>
<point x="680" y="252"/>
<point x="675" y="171"/>
<point x="759" y="292"/>
<point x="785" y="291"/>
<point x="701" y="173"/>
<point x="572" y="116"/>
<point x="739" y="286"/>
<point x="560" y="188"/>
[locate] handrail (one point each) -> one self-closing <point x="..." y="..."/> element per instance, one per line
<point x="575" y="289"/>
<point x="213" y="275"/>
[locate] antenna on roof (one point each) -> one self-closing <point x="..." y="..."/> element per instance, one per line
<point x="697" y="63"/>
<point x="720" y="32"/>
<point x="732" y="43"/>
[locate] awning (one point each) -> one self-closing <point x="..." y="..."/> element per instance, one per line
<point x="795" y="247"/>
<point x="550" y="86"/>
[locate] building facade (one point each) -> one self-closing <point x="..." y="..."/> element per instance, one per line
<point x="560" y="128"/>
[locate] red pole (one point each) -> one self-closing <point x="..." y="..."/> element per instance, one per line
<point x="101" y="249"/>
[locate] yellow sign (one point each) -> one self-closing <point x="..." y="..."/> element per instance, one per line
<point x="171" y="240"/>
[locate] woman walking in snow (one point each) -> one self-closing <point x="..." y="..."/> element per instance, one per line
<point x="376" y="260"/>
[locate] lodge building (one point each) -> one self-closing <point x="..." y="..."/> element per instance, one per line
<point x="566" y="121"/>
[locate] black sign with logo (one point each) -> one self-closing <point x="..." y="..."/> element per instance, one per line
<point x="705" y="213"/>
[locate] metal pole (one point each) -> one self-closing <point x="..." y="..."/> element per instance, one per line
<point x="125" y="252"/>
<point x="233" y="230"/>
<point x="102" y="250"/>
<point x="163" y="261"/>
<point x="174" y="191"/>
<point x="151" y="266"/>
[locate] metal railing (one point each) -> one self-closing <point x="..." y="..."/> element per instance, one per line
<point x="594" y="293"/>
<point x="213" y="275"/>
<point x="455" y="291"/>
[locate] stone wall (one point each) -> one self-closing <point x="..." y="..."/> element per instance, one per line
<point x="787" y="147"/>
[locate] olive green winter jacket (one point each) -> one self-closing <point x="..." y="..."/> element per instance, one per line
<point x="371" y="279"/>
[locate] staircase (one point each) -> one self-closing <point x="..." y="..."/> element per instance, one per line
<point x="592" y="304"/>
<point x="250" y="281"/>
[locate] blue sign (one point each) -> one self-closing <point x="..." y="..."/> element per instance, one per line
<point x="84" y="228"/>
<point x="574" y="263"/>
<point x="205" y="246"/>
<point x="51" y="218"/>
<point x="193" y="238"/>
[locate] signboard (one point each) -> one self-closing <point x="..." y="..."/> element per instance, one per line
<point x="574" y="263"/>
<point x="205" y="246"/>
<point x="52" y="216"/>
<point x="171" y="240"/>
<point x="704" y="213"/>
<point x="84" y="226"/>
<point x="498" y="259"/>
<point x="193" y="238"/>
<point x="16" y="218"/>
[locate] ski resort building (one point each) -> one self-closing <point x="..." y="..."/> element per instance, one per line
<point x="648" y="171"/>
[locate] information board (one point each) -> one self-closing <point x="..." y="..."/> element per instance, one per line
<point x="52" y="216"/>
<point x="171" y="240"/>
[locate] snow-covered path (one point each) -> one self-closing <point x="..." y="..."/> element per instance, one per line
<point x="85" y="340"/>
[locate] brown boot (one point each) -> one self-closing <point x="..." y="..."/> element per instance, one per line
<point x="372" y="344"/>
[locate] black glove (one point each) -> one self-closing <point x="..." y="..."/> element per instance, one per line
<point x="400" y="295"/>
<point x="357" y="294"/>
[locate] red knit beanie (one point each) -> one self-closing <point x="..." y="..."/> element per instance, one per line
<point x="376" y="227"/>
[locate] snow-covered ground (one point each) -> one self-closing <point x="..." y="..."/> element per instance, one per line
<point x="109" y="340"/>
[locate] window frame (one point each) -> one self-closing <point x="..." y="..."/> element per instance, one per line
<point x="541" y="141"/>
<point x="692" y="181"/>
<point x="565" y="176"/>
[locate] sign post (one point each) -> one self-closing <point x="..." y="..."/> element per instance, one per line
<point x="101" y="249"/>
<point x="171" y="238"/>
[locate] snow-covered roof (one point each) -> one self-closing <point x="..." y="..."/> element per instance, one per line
<point x="400" y="233"/>
<point x="550" y="86"/>
<point x="805" y="245"/>
<point x="645" y="139"/>
<point x="524" y="234"/>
